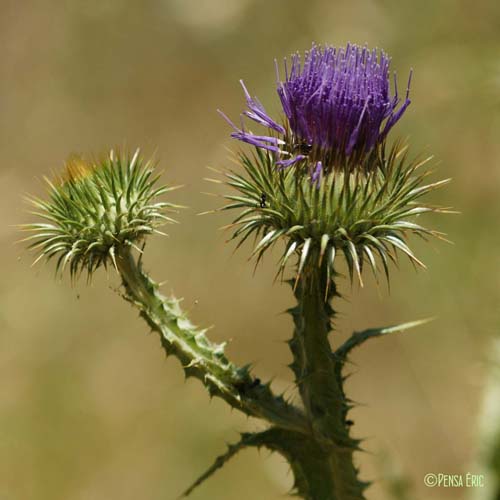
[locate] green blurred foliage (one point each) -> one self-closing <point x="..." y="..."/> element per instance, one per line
<point x="89" y="407"/>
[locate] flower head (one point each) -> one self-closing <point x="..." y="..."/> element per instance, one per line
<point x="338" y="108"/>
<point x="331" y="184"/>
<point x="94" y="209"/>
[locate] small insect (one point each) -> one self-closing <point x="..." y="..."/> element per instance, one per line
<point x="349" y="423"/>
<point x="302" y="148"/>
<point x="263" y="199"/>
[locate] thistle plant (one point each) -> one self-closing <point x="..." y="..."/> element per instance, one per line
<point x="325" y="182"/>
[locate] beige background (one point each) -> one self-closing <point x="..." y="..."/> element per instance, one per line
<point x="89" y="407"/>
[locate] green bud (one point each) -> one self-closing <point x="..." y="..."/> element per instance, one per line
<point x="96" y="207"/>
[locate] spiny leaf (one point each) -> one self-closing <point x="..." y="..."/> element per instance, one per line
<point x="358" y="338"/>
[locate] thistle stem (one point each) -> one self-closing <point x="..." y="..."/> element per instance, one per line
<point x="317" y="443"/>
<point x="319" y="379"/>
<point x="199" y="357"/>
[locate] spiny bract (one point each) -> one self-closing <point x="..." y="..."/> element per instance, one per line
<point x="94" y="209"/>
<point x="361" y="214"/>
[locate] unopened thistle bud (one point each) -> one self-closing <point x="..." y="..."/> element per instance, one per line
<point x="330" y="183"/>
<point x="94" y="209"/>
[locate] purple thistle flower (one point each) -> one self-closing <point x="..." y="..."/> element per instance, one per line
<point x="338" y="108"/>
<point x="338" y="99"/>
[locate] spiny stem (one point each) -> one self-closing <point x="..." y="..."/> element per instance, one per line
<point x="319" y="379"/>
<point x="199" y="357"/>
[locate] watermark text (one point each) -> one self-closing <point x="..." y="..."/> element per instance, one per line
<point x="466" y="480"/>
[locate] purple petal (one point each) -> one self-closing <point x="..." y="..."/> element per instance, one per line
<point x="316" y="175"/>
<point x="269" y="143"/>
<point x="258" y="113"/>
<point x="292" y="161"/>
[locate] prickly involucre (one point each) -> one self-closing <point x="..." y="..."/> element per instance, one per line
<point x="95" y="208"/>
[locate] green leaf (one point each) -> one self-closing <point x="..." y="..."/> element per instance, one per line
<point x="358" y="338"/>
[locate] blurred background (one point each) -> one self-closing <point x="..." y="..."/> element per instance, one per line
<point x="89" y="407"/>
